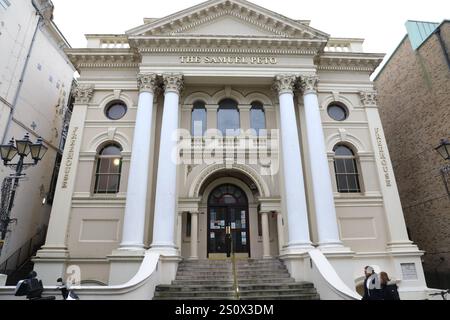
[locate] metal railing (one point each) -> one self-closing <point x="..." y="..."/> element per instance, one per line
<point x="235" y="277"/>
<point x="22" y="255"/>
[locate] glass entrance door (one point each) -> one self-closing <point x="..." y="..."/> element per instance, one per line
<point x="228" y="225"/>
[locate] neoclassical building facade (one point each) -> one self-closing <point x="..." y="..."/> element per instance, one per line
<point x="227" y="127"/>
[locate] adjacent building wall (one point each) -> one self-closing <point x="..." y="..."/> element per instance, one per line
<point x="414" y="100"/>
<point x="35" y="84"/>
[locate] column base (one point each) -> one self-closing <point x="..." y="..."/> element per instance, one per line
<point x="297" y="248"/>
<point x="131" y="247"/>
<point x="167" y="250"/>
<point x="336" y="247"/>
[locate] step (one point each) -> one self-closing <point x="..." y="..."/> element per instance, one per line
<point x="202" y="294"/>
<point x="230" y="278"/>
<point x="202" y="282"/>
<point x="193" y="288"/>
<point x="277" y="292"/>
<point x="194" y="298"/>
<point x="271" y="286"/>
<point x="184" y="268"/>
<point x="266" y="281"/>
<point x="283" y="297"/>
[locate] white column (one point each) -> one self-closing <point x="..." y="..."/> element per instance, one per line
<point x="280" y="231"/>
<point x="166" y="184"/>
<point x="265" y="234"/>
<point x="137" y="192"/>
<point x="294" y="185"/>
<point x="194" y="236"/>
<point x="321" y="178"/>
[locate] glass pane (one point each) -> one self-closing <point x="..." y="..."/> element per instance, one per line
<point x="340" y="165"/>
<point x="337" y="113"/>
<point x="103" y="165"/>
<point x="116" y="111"/>
<point x="350" y="165"/>
<point x="228" y="117"/>
<point x="113" y="184"/>
<point x="342" y="183"/>
<point x="228" y="199"/>
<point x="257" y="119"/>
<point x="343" y="151"/>
<point x="115" y="165"/>
<point x="102" y="184"/>
<point x="110" y="151"/>
<point x="198" y="125"/>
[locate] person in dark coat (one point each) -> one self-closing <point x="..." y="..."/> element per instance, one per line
<point x="372" y="286"/>
<point x="389" y="288"/>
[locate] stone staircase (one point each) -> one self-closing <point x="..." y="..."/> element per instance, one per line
<point x="266" y="279"/>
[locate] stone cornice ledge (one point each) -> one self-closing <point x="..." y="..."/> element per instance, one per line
<point x="349" y="61"/>
<point x="227" y="44"/>
<point x="103" y="58"/>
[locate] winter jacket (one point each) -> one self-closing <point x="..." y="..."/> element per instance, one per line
<point x="390" y="291"/>
<point x="372" y="288"/>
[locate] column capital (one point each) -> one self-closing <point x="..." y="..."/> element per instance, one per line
<point x="368" y="98"/>
<point x="285" y="83"/>
<point x="83" y="93"/>
<point x="147" y="82"/>
<point x="173" y="82"/>
<point x="309" y="83"/>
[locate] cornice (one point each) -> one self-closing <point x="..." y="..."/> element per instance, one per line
<point x="349" y="61"/>
<point x="221" y="44"/>
<point x="103" y="58"/>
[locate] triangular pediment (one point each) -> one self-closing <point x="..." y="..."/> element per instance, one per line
<point x="229" y="18"/>
<point x="227" y="26"/>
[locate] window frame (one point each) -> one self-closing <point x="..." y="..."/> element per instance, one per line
<point x="235" y="108"/>
<point x="340" y="105"/>
<point x="98" y="159"/>
<point x="110" y="104"/>
<point x="199" y="105"/>
<point x="256" y="105"/>
<point x="355" y="174"/>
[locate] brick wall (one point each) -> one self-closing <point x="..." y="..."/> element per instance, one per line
<point x="414" y="100"/>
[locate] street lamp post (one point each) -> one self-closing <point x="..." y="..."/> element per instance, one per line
<point x="8" y="151"/>
<point x="444" y="151"/>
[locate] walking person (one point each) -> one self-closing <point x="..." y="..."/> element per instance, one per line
<point x="389" y="289"/>
<point x="372" y="286"/>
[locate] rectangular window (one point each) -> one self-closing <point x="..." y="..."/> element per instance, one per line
<point x="108" y="175"/>
<point x="5" y="4"/>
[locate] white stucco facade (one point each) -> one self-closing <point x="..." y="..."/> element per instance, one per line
<point x="35" y="82"/>
<point x="163" y="212"/>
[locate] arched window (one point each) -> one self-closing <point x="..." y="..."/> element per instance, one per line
<point x="198" y="123"/>
<point x="258" y="118"/>
<point x="345" y="166"/>
<point x="109" y="167"/>
<point x="228" y="117"/>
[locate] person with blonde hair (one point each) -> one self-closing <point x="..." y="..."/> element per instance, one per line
<point x="389" y="289"/>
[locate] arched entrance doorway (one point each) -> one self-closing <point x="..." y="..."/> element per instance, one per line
<point x="227" y="214"/>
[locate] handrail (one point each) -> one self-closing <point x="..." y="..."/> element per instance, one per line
<point x="235" y="278"/>
<point x="18" y="253"/>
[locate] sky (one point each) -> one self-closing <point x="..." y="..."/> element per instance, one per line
<point x="380" y="22"/>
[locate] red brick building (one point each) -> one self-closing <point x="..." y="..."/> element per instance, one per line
<point x="414" y="99"/>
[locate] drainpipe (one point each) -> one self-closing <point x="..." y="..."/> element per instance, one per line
<point x="444" y="49"/>
<point x="22" y="75"/>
